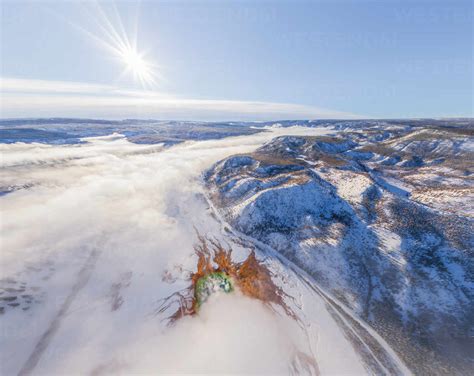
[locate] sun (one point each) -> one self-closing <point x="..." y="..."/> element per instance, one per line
<point x="112" y="36"/>
<point x="135" y="63"/>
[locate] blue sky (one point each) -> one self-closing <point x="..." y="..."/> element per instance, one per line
<point x="241" y="60"/>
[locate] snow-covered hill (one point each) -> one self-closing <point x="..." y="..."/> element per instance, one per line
<point x="381" y="218"/>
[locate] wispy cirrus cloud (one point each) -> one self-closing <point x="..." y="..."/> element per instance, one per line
<point x="44" y="98"/>
<point x="47" y="87"/>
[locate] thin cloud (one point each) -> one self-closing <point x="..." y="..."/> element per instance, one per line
<point x="40" y="98"/>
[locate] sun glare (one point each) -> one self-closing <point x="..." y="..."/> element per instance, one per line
<point x="113" y="36"/>
<point x="137" y="65"/>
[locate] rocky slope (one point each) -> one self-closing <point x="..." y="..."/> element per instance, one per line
<point x="381" y="216"/>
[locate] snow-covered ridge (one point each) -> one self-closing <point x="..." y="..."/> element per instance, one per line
<point x="393" y="241"/>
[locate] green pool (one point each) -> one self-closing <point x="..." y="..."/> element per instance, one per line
<point x="210" y="284"/>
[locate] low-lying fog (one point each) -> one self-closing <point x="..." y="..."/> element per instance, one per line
<point x="86" y="239"/>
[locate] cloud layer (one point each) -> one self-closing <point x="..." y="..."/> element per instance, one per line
<point x="40" y="98"/>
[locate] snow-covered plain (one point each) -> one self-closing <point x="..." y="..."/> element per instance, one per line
<point x="88" y="233"/>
